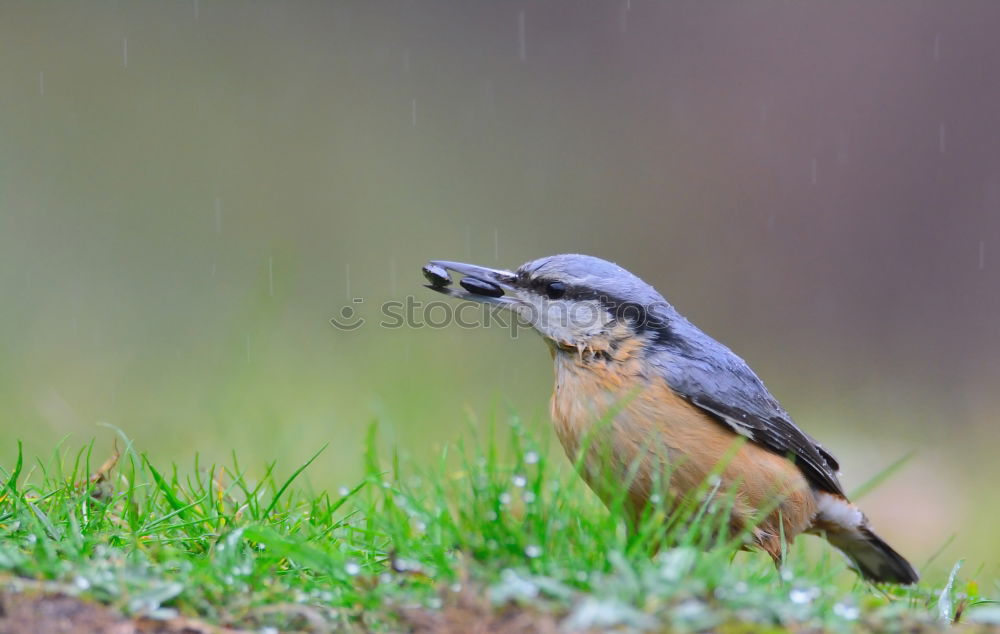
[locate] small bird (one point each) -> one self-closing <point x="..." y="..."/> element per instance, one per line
<point x="655" y="403"/>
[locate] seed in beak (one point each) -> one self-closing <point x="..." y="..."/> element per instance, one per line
<point x="477" y="286"/>
<point x="436" y="275"/>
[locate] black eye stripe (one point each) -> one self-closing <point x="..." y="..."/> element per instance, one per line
<point x="557" y="289"/>
<point x="652" y="319"/>
<point x="540" y="284"/>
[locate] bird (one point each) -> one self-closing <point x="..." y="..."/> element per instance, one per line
<point x="644" y="399"/>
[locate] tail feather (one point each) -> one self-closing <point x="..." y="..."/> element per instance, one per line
<point x="874" y="559"/>
<point x="847" y="529"/>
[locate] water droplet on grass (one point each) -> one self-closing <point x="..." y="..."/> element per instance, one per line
<point x="676" y="563"/>
<point x="845" y="611"/>
<point x="352" y="568"/>
<point x="513" y="586"/>
<point x="803" y="595"/>
<point x="594" y="614"/>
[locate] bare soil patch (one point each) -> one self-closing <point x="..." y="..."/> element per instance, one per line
<point x="53" y="613"/>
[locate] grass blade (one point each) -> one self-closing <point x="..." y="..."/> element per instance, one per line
<point x="295" y="474"/>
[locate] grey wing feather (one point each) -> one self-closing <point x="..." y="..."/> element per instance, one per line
<point x="714" y="379"/>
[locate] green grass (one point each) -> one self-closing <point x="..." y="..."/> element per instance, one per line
<point x="242" y="546"/>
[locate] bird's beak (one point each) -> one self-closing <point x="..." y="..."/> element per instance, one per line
<point x="479" y="284"/>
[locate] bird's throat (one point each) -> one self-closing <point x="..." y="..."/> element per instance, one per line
<point x="618" y="346"/>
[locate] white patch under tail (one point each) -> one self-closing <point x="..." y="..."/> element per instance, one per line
<point x="834" y="511"/>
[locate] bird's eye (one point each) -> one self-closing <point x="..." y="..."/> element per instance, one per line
<point x="555" y="290"/>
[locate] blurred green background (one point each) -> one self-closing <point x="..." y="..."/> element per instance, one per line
<point x="190" y="190"/>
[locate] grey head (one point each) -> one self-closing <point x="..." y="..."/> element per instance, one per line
<point x="569" y="299"/>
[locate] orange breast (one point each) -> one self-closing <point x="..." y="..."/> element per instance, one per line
<point x="628" y="428"/>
